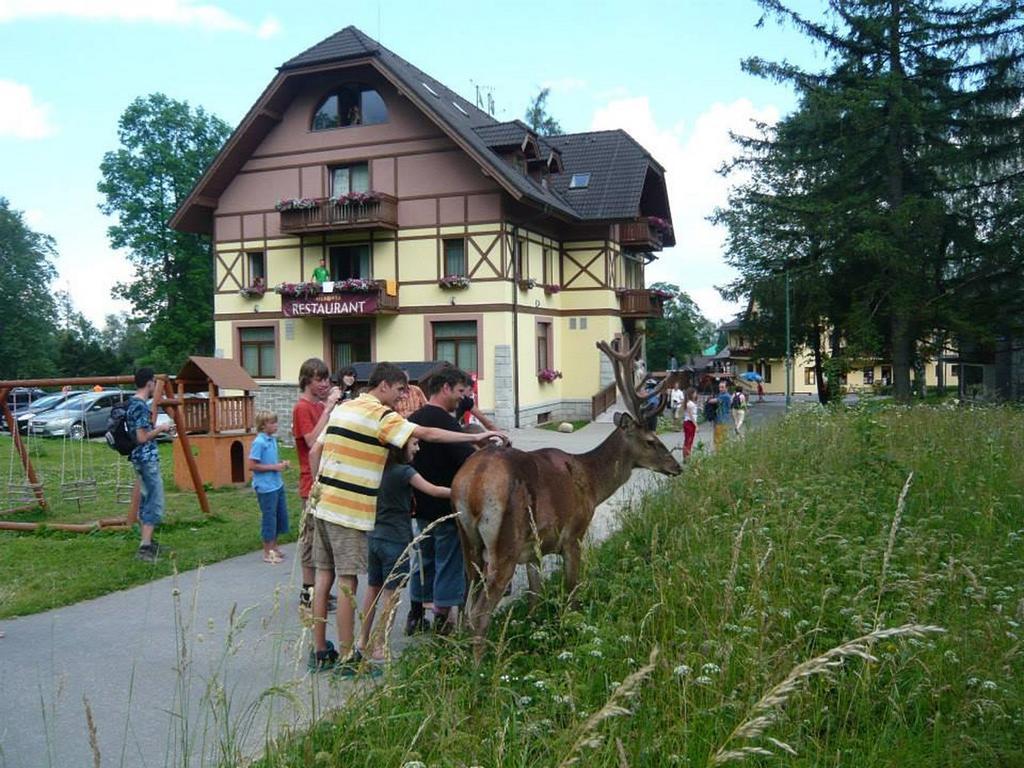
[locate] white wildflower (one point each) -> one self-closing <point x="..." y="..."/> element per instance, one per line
<point x="682" y="671"/>
<point x="565" y="656"/>
<point x="710" y="669"/>
<point x="596" y="653"/>
<point x="704" y="680"/>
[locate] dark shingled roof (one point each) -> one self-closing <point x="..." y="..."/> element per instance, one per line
<point x="617" y="164"/>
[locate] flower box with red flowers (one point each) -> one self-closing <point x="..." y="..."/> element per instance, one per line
<point x="548" y="375"/>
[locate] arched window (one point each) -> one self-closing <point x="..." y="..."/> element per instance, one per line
<point x="350" y="104"/>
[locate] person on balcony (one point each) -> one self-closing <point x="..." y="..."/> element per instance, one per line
<point x="321" y="274"/>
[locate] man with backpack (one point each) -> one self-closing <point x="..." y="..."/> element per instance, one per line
<point x="739" y="410"/>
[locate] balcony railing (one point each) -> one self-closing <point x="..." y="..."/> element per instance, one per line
<point x="640" y="236"/>
<point x="330" y="216"/>
<point x="641" y="303"/>
<point x="341" y="303"/>
<point x="230" y="414"/>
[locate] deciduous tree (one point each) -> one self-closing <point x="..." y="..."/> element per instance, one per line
<point x="165" y="146"/>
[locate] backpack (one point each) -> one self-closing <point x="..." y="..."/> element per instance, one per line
<point x="710" y="409"/>
<point x="118" y="436"/>
<point x="737" y="401"/>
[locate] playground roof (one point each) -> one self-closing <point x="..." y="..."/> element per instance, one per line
<point x="224" y="373"/>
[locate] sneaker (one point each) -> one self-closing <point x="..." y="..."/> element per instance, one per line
<point x="147" y="553"/>
<point x="416" y="624"/>
<point x="319" y="661"/>
<point x="354" y="664"/>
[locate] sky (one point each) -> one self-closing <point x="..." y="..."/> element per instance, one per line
<point x="667" y="72"/>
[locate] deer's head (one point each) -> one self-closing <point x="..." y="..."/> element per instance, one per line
<point x="644" y="446"/>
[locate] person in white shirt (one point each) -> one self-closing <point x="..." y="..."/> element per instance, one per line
<point x="675" y="399"/>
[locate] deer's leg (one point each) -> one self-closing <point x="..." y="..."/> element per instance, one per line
<point x="499" y="574"/>
<point x="571" y="566"/>
<point x="534" y="580"/>
<point x="473" y="551"/>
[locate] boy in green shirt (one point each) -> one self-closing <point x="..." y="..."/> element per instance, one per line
<point x="320" y="274"/>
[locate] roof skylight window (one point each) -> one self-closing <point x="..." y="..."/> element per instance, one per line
<point x="459" y="107"/>
<point x="579" y="181"/>
<point x="430" y="90"/>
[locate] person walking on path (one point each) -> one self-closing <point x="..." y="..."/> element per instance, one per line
<point x="309" y="418"/>
<point x="266" y="469"/>
<point x="146" y="460"/>
<point x="389" y="540"/>
<point x="723" y="417"/>
<point x="739" y="411"/>
<point x="348" y="461"/>
<point x="439" y="573"/>
<point x="676" y="399"/>
<point x="689" y="422"/>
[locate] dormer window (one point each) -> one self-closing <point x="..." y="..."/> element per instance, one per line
<point x="348" y="105"/>
<point x="579" y="181"/>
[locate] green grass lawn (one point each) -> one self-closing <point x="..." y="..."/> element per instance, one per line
<point x="48" y="568"/>
<point x="783" y="548"/>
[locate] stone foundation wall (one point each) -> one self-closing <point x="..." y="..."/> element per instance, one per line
<point x="279" y="398"/>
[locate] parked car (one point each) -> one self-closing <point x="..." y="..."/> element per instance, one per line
<point x="42" y="405"/>
<point x="20" y="398"/>
<point x="83" y="416"/>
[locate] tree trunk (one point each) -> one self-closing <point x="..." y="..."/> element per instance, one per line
<point x="901" y="355"/>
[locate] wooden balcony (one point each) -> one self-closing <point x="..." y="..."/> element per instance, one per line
<point x="640" y="236"/>
<point x="329" y="216"/>
<point x="640" y="303"/>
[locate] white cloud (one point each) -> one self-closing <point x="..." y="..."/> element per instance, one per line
<point x="185" y="13"/>
<point x="691" y="156"/>
<point x="34" y="218"/>
<point x="88" y="275"/>
<point x="21" y="117"/>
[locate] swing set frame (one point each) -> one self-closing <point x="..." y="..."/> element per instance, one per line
<point x="170" y="405"/>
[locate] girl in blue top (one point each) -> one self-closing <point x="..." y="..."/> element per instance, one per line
<point x="269" y="487"/>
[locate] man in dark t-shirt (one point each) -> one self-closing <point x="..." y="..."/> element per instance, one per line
<point x="438" y="576"/>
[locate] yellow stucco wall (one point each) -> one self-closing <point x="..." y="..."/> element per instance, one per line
<point x="578" y="317"/>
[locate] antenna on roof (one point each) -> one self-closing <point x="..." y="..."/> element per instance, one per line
<point x="378" y="23"/>
<point x="484" y="97"/>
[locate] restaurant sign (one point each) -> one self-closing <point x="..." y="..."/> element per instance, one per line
<point x="330" y="305"/>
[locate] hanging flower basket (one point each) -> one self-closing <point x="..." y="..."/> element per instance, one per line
<point x="661" y="225"/>
<point x="297" y="204"/>
<point x="357" y="198"/>
<point x="456" y="282"/>
<point x="527" y="283"/>
<point x="298" y="290"/>
<point x="660" y="293"/>
<point x="355" y="285"/>
<point x="548" y="375"/>
<point x="551" y="289"/>
<point x="254" y="291"/>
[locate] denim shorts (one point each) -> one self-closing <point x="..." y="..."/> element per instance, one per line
<point x="274" y="511"/>
<point x="382" y="555"/>
<point x="151" y="504"/>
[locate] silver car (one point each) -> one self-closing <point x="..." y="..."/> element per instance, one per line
<point x="81" y="416"/>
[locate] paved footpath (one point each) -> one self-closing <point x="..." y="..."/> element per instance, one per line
<point x="163" y="670"/>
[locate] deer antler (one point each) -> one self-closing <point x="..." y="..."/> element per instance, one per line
<point x="622" y="365"/>
<point x="636" y="402"/>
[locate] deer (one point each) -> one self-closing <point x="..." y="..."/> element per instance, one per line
<point x="514" y="506"/>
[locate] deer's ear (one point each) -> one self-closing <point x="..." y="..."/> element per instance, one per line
<point x="623" y="420"/>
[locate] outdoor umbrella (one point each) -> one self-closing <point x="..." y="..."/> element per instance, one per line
<point x="751" y="376"/>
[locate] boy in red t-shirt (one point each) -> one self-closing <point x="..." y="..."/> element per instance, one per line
<point x="309" y="417"/>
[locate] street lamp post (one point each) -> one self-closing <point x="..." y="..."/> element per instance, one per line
<point x="789" y="351"/>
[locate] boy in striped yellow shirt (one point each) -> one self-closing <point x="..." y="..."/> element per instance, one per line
<point x="348" y="461"/>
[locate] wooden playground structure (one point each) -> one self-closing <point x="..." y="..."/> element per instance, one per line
<point x="30" y="494"/>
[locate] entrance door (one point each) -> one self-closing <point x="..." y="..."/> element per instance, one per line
<point x="350" y="261"/>
<point x="350" y="343"/>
